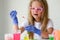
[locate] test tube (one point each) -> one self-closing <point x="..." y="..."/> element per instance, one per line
<point x="51" y="37"/>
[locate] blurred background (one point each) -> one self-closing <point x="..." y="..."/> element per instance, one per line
<point x="21" y="6"/>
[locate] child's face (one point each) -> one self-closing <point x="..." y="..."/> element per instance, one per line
<point x="36" y="9"/>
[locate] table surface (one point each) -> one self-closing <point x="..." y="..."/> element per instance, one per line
<point x="36" y="37"/>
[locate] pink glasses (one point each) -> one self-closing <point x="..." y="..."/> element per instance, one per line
<point x="38" y="9"/>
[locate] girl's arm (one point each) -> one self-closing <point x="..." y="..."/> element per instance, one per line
<point x="50" y="27"/>
<point x="13" y="15"/>
<point x="45" y="34"/>
<point x="15" y="27"/>
<point x="22" y="29"/>
<point x="50" y="30"/>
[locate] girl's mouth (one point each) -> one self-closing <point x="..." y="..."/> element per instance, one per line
<point x="36" y="14"/>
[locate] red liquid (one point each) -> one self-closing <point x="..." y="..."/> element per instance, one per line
<point x="16" y="36"/>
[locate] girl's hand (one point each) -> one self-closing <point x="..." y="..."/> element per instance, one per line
<point x="33" y="29"/>
<point x="13" y="15"/>
<point x="22" y="29"/>
<point x="50" y="30"/>
<point x="44" y="35"/>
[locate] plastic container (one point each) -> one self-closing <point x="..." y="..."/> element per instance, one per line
<point x="16" y="36"/>
<point x="51" y="37"/>
<point x="26" y="37"/>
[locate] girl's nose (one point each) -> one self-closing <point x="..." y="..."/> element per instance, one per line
<point x="36" y="10"/>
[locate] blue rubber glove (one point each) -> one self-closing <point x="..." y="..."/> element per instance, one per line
<point x="33" y="29"/>
<point x="14" y="17"/>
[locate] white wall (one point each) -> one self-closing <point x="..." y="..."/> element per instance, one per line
<point x="54" y="12"/>
<point x="21" y="6"/>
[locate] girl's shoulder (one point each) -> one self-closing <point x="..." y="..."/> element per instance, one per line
<point x="50" y="23"/>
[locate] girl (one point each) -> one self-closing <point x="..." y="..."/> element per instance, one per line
<point x="38" y="16"/>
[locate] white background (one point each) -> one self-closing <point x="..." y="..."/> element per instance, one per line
<point x="6" y="25"/>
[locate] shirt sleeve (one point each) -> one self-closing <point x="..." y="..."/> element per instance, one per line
<point x="50" y="24"/>
<point x="24" y="23"/>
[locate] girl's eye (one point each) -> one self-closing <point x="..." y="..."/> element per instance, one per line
<point x="39" y="9"/>
<point x="32" y="8"/>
